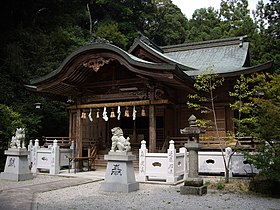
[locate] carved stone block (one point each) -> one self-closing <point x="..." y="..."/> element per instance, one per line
<point x="120" y="175"/>
<point x="17" y="167"/>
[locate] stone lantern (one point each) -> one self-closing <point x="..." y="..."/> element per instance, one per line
<point x="193" y="184"/>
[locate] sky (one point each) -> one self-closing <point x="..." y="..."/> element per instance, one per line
<point x="189" y="6"/>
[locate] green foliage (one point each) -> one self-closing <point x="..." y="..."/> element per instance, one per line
<point x="265" y="44"/>
<point x="242" y="94"/>
<point x="264" y="185"/>
<point x="262" y="119"/>
<point x="169" y="25"/>
<point x="208" y="81"/>
<point x="205" y="83"/>
<point x="236" y="18"/>
<point x="110" y="31"/>
<point x="220" y="185"/>
<point x="31" y="46"/>
<point x="204" y="25"/>
<point x="10" y="120"/>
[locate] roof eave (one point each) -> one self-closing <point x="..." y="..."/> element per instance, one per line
<point x="261" y="67"/>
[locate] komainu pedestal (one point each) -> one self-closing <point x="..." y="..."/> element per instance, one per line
<point x="120" y="175"/>
<point x="17" y="167"/>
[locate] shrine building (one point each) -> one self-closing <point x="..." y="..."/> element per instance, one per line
<point x="143" y="90"/>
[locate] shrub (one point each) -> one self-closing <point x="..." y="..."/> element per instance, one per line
<point x="10" y="120"/>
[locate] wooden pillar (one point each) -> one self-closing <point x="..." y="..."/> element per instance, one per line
<point x="79" y="144"/>
<point x="152" y="123"/>
<point x="152" y="129"/>
<point x="70" y="125"/>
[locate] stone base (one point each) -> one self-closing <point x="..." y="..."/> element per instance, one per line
<point x="119" y="187"/>
<point x="17" y="166"/>
<point x="194" y="182"/>
<point x="16" y="177"/>
<point x="119" y="153"/>
<point x="119" y="175"/>
<point x="190" y="190"/>
<point x="193" y="186"/>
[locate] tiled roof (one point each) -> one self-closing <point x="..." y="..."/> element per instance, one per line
<point x="222" y="59"/>
<point x="222" y="55"/>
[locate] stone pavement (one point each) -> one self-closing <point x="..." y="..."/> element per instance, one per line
<point x="21" y="197"/>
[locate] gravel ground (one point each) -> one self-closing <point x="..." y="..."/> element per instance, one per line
<point x="39" y="179"/>
<point x="150" y="196"/>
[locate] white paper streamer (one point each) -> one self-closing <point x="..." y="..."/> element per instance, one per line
<point x="134" y="113"/>
<point x="119" y="112"/>
<point x="105" y="117"/>
<point x="89" y="116"/>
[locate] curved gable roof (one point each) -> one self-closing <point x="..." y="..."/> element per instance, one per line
<point x="95" y="47"/>
<point x="72" y="76"/>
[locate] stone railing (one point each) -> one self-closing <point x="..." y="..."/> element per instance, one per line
<point x="172" y="167"/>
<point x="51" y="158"/>
<point x="212" y="163"/>
<point x="167" y="167"/>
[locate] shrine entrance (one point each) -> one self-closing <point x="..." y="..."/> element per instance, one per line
<point x="96" y="124"/>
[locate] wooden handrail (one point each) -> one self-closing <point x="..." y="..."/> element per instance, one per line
<point x="92" y="154"/>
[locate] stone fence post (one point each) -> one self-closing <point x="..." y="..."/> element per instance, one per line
<point x="72" y="147"/>
<point x="34" y="156"/>
<point x="54" y="169"/>
<point x="228" y="154"/>
<point x="30" y="154"/>
<point x="171" y="158"/>
<point x="186" y="169"/>
<point x="142" y="161"/>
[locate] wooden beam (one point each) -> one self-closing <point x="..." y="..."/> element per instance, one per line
<point x="123" y="103"/>
<point x="135" y="95"/>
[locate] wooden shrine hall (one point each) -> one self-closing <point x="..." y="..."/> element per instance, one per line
<point x="143" y="90"/>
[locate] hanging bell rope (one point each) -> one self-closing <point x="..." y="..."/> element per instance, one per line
<point x="84" y="115"/>
<point x="143" y="112"/>
<point x="97" y="113"/>
<point x="112" y="115"/>
<point x="126" y="112"/>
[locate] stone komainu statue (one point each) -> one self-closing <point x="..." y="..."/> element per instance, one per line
<point x="119" y="143"/>
<point x="18" y="140"/>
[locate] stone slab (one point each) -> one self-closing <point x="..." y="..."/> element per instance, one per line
<point x="16" y="152"/>
<point x="119" y="187"/>
<point x="190" y="190"/>
<point x="114" y="156"/>
<point x="119" y="153"/>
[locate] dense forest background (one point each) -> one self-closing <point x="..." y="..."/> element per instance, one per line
<point x="37" y="35"/>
